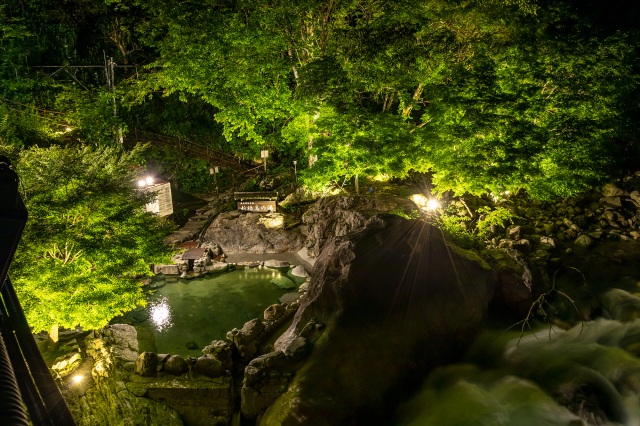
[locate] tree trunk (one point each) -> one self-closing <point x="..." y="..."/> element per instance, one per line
<point x="53" y="337"/>
<point x="416" y="95"/>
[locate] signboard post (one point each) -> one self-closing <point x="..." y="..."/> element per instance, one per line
<point x="214" y="171"/>
<point x="162" y="202"/>
<point x="264" y="154"/>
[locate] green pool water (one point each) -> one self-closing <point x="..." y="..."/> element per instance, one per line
<point x="204" y="309"/>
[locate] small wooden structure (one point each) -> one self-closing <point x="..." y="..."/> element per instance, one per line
<point x="259" y="201"/>
<point x="191" y="255"/>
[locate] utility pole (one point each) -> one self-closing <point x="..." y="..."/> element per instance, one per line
<point x="109" y="68"/>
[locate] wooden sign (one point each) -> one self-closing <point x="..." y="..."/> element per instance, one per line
<point x="162" y="204"/>
<point x="261" y="206"/>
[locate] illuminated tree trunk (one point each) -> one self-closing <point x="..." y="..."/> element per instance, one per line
<point x="53" y="337"/>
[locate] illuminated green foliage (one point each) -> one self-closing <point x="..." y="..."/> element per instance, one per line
<point x="488" y="95"/>
<point x="498" y="216"/>
<point x="88" y="241"/>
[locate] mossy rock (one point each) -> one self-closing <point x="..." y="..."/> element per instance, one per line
<point x="284" y="283"/>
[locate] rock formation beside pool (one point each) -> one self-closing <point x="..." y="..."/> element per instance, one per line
<point x="247" y="232"/>
<point x="394" y="300"/>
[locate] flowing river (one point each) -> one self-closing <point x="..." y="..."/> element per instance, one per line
<point x="586" y="374"/>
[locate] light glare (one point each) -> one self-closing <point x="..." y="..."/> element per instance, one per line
<point x="77" y="379"/>
<point x="142" y="183"/>
<point x="160" y="315"/>
<point x="149" y="180"/>
<point x="419" y="199"/>
<point x="433" y="204"/>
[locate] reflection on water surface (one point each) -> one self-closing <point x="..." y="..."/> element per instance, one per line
<point x="204" y="309"/>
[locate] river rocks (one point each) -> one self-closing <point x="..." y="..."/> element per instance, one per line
<point x="239" y="232"/>
<point x="283" y="282"/>
<point x="272" y="220"/>
<point x="247" y="338"/>
<point x="298" y="349"/>
<point x="147" y="364"/>
<point x="301" y="195"/>
<point x="273" y="312"/>
<point x="220" y="350"/>
<point x="614" y="202"/>
<point x="583" y="241"/>
<point x="66" y="364"/>
<point x="272" y="181"/>
<point x="382" y="308"/>
<point x="166" y="269"/>
<point x="176" y="365"/>
<point x="299" y="271"/>
<point x="209" y="366"/>
<point x="612" y="190"/>
<point x="276" y="264"/>
<point x="122" y="342"/>
<point x="265" y="379"/>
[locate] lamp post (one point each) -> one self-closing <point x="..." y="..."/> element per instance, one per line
<point x="295" y="169"/>
<point x="264" y="154"/>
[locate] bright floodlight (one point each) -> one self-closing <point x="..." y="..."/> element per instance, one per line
<point x="77" y="379"/>
<point x="142" y="183"/>
<point x="149" y="180"/>
<point x="433" y="204"/>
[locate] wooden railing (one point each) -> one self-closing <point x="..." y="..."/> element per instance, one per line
<point x="212" y="156"/>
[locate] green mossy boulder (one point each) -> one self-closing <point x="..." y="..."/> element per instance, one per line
<point x="284" y="283"/>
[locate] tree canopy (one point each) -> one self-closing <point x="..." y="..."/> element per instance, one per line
<point x="485" y="95"/>
<point x="488" y="95"/>
<point x="88" y="241"/>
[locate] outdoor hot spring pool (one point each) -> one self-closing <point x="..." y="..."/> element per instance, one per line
<point x="184" y="312"/>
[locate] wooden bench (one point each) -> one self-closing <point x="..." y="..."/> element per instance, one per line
<point x="258" y="201"/>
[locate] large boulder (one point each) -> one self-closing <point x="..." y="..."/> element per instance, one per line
<point x="265" y="378"/>
<point x="147" y="364"/>
<point x="394" y="303"/>
<point x="518" y="282"/>
<point x="342" y="215"/>
<point x="239" y="232"/>
<point x="176" y="365"/>
<point x="247" y="338"/>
